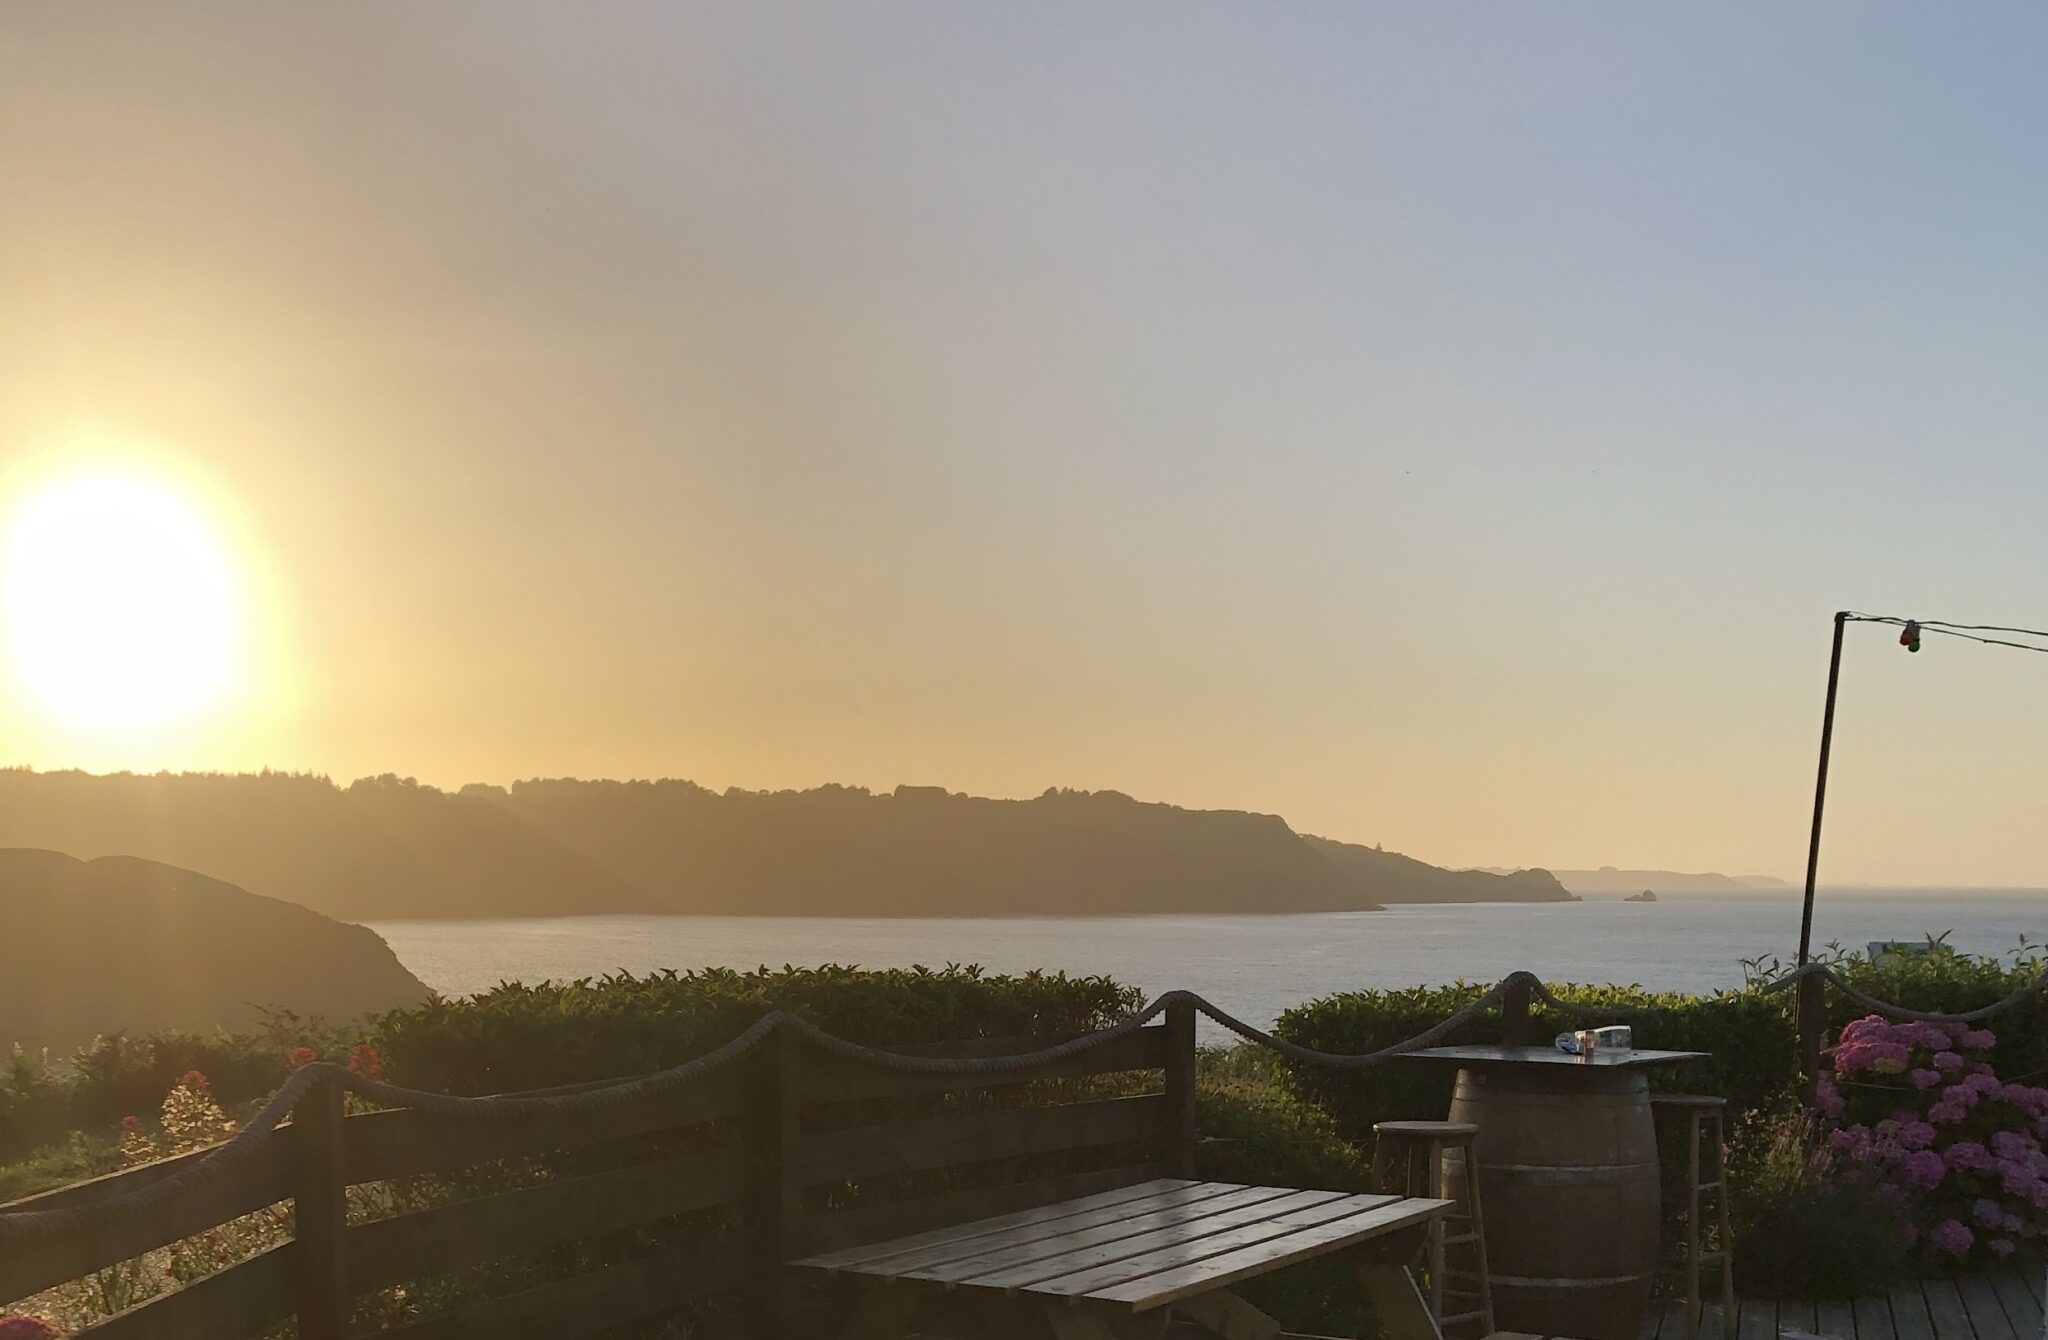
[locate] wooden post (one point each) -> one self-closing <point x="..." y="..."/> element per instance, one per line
<point x="778" y="1195"/>
<point x="1178" y="1158"/>
<point x="319" y="1214"/>
<point x="1514" y="1014"/>
<point x="1810" y="1005"/>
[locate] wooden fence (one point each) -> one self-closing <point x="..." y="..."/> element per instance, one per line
<point x="789" y="1150"/>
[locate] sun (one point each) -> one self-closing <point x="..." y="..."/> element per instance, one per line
<point x="119" y="608"/>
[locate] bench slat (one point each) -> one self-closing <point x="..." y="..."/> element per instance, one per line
<point x="1085" y="1268"/>
<point x="1181" y="1280"/>
<point x="1042" y="1252"/>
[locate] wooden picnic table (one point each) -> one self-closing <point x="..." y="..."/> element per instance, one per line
<point x="1122" y="1264"/>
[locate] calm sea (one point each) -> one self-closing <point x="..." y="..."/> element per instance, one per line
<point x="1253" y="966"/>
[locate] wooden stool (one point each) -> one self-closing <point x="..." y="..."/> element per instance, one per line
<point x="1703" y="1119"/>
<point x="1419" y="1148"/>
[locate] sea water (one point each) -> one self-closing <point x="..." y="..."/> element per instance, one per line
<point x="1253" y="966"/>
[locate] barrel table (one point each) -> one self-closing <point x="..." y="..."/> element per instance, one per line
<point x="1568" y="1182"/>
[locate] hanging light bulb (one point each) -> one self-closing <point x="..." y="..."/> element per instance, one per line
<point x="1909" y="636"/>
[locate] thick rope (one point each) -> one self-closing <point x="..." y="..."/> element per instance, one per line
<point x="262" y="1128"/>
<point x="1891" y="1011"/>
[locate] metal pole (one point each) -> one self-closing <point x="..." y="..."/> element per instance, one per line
<point x="1820" y="789"/>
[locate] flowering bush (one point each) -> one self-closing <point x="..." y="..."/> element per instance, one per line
<point x="15" y="1327"/>
<point x="1916" y="1110"/>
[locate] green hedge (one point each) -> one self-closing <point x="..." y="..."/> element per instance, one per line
<point x="1947" y="982"/>
<point x="1750" y="1036"/>
<point x="528" y="1037"/>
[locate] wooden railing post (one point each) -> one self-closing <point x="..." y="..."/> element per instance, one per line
<point x="1179" y="1152"/>
<point x="1514" y="1014"/>
<point x="319" y="1214"/>
<point x="778" y="1194"/>
<point x="1810" y="1004"/>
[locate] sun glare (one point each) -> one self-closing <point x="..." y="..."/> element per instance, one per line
<point x="118" y="602"/>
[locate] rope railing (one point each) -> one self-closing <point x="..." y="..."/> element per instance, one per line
<point x="1889" y="1010"/>
<point x="264" y="1125"/>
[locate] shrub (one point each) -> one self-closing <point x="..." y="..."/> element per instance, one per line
<point x="1803" y="1230"/>
<point x="527" y="1037"/>
<point x="1916" y="1111"/>
<point x="1749" y="1035"/>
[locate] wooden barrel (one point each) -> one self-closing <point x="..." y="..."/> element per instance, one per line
<point x="1568" y="1184"/>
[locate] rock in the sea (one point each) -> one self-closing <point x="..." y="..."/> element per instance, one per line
<point x="121" y="943"/>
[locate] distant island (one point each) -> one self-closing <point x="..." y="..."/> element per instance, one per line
<point x="388" y="846"/>
<point x="120" y="944"/>
<point x="1646" y="896"/>
<point x="1607" y="879"/>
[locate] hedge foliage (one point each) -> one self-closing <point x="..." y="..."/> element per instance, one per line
<point x="1750" y="1036"/>
<point x="528" y="1037"/>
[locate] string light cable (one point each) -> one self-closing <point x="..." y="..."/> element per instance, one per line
<point x="1912" y="629"/>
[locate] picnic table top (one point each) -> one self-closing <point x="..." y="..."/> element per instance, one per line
<point x="1144" y="1246"/>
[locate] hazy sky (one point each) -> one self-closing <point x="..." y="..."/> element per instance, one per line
<point x="1447" y="425"/>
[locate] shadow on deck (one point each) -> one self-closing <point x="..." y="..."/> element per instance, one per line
<point x="2004" y="1306"/>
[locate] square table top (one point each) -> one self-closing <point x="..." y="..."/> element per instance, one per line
<point x="1143" y="1246"/>
<point x="1606" y="1059"/>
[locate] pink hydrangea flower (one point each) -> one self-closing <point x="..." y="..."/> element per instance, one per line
<point x="1977" y="1039"/>
<point x="1969" y="1155"/>
<point x="1828" y="1100"/>
<point x="1924" y="1079"/>
<point x="1962" y="1094"/>
<point x="1947" y="1062"/>
<point x="1916" y="1135"/>
<point x="1987" y="1213"/>
<point x="1984" y="1083"/>
<point x="1923" y="1169"/>
<point x="2010" y="1146"/>
<point x="16" y="1327"/>
<point x="2001" y="1247"/>
<point x="1951" y="1236"/>
<point x="1947" y="1112"/>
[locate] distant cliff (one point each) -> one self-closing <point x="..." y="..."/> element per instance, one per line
<point x="1393" y="878"/>
<point x="389" y="847"/>
<point x="1607" y="879"/>
<point x="126" y="944"/>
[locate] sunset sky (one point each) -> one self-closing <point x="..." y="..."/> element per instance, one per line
<point x="1446" y="425"/>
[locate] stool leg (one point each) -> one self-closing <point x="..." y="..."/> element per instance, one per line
<point x="1433" y="1161"/>
<point x="1380" y="1160"/>
<point x="1478" y="1231"/>
<point x="1727" y="1234"/>
<point x="1692" y="1231"/>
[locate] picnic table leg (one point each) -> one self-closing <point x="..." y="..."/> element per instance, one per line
<point x="886" y="1312"/>
<point x="1384" y="1274"/>
<point x="1228" y="1316"/>
<point x="1070" y="1321"/>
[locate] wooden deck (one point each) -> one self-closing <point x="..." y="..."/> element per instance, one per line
<point x="2006" y="1306"/>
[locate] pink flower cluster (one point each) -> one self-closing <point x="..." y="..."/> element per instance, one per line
<point x="1956" y="1151"/>
<point x="16" y="1327"/>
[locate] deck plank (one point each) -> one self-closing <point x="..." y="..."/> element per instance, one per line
<point x="1756" y="1319"/>
<point x="2022" y="1309"/>
<point x="1911" y="1319"/>
<point x="1796" y="1314"/>
<point x="1987" y="1314"/>
<point x="1874" y="1318"/>
<point x="1945" y="1309"/>
<point x="1835" y="1318"/>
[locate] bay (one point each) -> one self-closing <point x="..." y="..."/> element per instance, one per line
<point x="1253" y="966"/>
